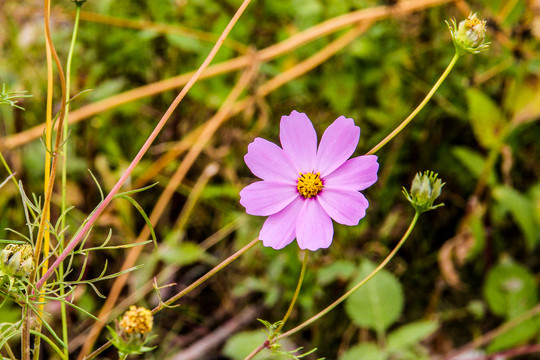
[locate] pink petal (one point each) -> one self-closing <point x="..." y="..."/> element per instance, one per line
<point x="357" y="173"/>
<point x="337" y="144"/>
<point x="314" y="229"/>
<point x="299" y="140"/>
<point x="268" y="161"/>
<point x="264" y="198"/>
<point x="346" y="207"/>
<point x="278" y="230"/>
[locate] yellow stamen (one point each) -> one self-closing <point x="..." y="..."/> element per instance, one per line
<point x="137" y="320"/>
<point x="309" y="184"/>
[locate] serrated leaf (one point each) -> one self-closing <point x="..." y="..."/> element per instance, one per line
<point x="378" y="304"/>
<point x="366" y="351"/>
<point x="510" y="289"/>
<point x="410" y="334"/>
<point x="522" y="209"/>
<point x="486" y="118"/>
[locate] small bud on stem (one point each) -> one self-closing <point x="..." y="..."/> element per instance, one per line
<point x="16" y="260"/>
<point x="425" y="189"/>
<point x="469" y="35"/>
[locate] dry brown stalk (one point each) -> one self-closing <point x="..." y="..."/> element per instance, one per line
<point x="208" y="130"/>
<point x="267" y="54"/>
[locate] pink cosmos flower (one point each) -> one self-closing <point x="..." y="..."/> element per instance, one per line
<point x="303" y="187"/>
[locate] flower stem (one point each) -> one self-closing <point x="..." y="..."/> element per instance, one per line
<point x="8" y="169"/>
<point x="296" y="292"/>
<point x="287" y="314"/>
<point x="418" y="108"/>
<point x="8" y="349"/>
<point x="186" y="291"/>
<point x="64" y="176"/>
<point x="357" y="286"/>
<point x="208" y="275"/>
<point x="257" y="350"/>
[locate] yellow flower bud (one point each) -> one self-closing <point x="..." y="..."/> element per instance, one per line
<point x="137" y="320"/>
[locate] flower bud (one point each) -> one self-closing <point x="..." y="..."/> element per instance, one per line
<point x="469" y="35"/>
<point x="137" y="320"/>
<point x="132" y="331"/>
<point x="425" y="189"/>
<point x="17" y="260"/>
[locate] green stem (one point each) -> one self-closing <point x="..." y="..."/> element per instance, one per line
<point x="64" y="173"/>
<point x="8" y="350"/>
<point x="296" y="292"/>
<point x="8" y="169"/>
<point x="418" y="108"/>
<point x="357" y="286"/>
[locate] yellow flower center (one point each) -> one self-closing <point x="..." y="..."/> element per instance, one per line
<point x="309" y="184"/>
<point x="137" y="320"/>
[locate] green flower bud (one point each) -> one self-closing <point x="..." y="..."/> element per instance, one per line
<point x="132" y="331"/>
<point x="425" y="189"/>
<point x="469" y="35"/>
<point x="17" y="260"/>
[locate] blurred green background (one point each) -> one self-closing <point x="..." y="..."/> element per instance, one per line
<point x="467" y="268"/>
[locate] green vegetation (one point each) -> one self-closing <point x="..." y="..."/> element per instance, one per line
<point x="467" y="277"/>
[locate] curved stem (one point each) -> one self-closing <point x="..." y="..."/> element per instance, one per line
<point x="207" y="276"/>
<point x="357" y="286"/>
<point x="296" y="292"/>
<point x="418" y="108"/>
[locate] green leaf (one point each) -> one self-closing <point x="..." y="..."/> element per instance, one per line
<point x="377" y="304"/>
<point x="181" y="254"/>
<point x="518" y="335"/>
<point x="338" y="270"/>
<point x="143" y="214"/>
<point x="106" y="88"/>
<point x="510" y="289"/>
<point x="243" y="343"/>
<point x="473" y="161"/>
<point x="410" y="334"/>
<point x="486" y="118"/>
<point x="522" y="209"/>
<point x="366" y="351"/>
<point x="187" y="43"/>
